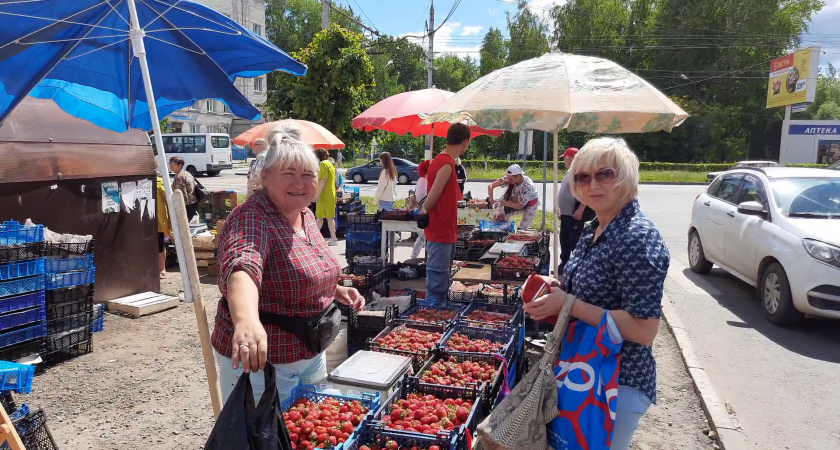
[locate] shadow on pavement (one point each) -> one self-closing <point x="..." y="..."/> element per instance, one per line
<point x="813" y="338"/>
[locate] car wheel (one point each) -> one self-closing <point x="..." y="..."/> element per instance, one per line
<point x="358" y="178"/>
<point x="776" y="299"/>
<point x="403" y="179"/>
<point x="192" y="171"/>
<point x="214" y="173"/>
<point x="696" y="257"/>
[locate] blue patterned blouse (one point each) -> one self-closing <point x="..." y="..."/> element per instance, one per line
<point x="624" y="269"/>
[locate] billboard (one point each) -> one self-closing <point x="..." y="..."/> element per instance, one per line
<point x="793" y="78"/>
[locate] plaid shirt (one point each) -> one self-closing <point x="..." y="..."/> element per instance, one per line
<point x="295" y="275"/>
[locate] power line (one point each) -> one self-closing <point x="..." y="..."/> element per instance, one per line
<point x="354" y="20"/>
<point x="364" y="14"/>
<point x="455" y="6"/>
<point x="718" y="76"/>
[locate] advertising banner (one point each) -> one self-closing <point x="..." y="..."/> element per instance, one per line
<point x="793" y="78"/>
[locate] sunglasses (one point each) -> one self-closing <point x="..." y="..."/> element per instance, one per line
<point x="602" y="176"/>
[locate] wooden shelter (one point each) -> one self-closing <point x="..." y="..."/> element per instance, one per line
<point x="52" y="170"/>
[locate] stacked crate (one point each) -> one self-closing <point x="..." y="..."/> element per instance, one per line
<point x="348" y="203"/>
<point x="70" y="276"/>
<point x="22" y="306"/>
<point x="363" y="236"/>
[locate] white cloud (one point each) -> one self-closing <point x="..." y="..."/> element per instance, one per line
<point x="444" y="42"/>
<point x="493" y="11"/>
<point x="467" y="31"/>
<point x="825" y="23"/>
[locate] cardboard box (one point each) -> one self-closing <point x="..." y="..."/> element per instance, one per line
<point x="204" y="243"/>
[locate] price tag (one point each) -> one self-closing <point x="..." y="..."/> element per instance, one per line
<point x="518" y="275"/>
<point x="348" y="283"/>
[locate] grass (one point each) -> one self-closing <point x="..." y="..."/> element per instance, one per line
<point x="537" y="175"/>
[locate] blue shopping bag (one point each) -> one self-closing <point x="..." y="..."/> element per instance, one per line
<point x="587" y="387"/>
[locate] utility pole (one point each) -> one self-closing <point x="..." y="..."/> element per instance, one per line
<point x="325" y="14"/>
<point x="431" y="61"/>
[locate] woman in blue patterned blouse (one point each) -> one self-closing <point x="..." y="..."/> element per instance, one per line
<point x="618" y="266"/>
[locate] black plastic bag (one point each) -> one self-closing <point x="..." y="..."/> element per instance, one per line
<point x="243" y="426"/>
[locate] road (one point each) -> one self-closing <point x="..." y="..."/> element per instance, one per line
<point x="781" y="384"/>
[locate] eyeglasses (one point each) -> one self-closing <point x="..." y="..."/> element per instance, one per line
<point x="602" y="176"/>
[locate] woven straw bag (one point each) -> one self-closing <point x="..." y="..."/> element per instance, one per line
<point x="519" y="421"/>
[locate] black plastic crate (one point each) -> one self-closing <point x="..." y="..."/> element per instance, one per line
<point x="372" y="322"/>
<point x="21" y="252"/>
<point x="460" y="253"/>
<point x="365" y="268"/>
<point x="396" y="214"/>
<point x="361" y="218"/>
<point x="498" y="236"/>
<point x="475" y="253"/>
<point x="489" y="389"/>
<point x="33" y="431"/>
<point x="513" y="273"/>
<point x="418" y="358"/>
<point x="67" y="345"/>
<point x="405" y="318"/>
<point x="506" y="338"/>
<point x="463" y="296"/>
<point x="499" y="294"/>
<point x="512" y="323"/>
<point x="69" y="323"/>
<point x="69" y="295"/>
<point x="412" y="386"/>
<point x="364" y="227"/>
<point x="64" y="250"/>
<point x="364" y="281"/>
<point x="61" y="310"/>
<point x="377" y="435"/>
<point x="22" y="350"/>
<point x="535" y="247"/>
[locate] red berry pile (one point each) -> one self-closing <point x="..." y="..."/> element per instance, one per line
<point x="487" y="319"/>
<point x="433" y="315"/>
<point x="450" y="372"/>
<point x="461" y="343"/>
<point x="517" y="262"/>
<point x="392" y="445"/>
<point x="322" y="425"/>
<point x="408" y="339"/>
<point x="427" y="414"/>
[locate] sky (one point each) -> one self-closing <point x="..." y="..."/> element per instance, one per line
<point x="463" y="32"/>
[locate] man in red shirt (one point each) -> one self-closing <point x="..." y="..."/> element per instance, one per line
<point x="442" y="207"/>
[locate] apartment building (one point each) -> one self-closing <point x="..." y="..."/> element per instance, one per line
<point x="212" y="116"/>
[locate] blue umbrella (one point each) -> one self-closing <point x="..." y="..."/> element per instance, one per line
<point x="100" y="59"/>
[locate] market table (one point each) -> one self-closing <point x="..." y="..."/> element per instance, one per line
<point x="389" y="227"/>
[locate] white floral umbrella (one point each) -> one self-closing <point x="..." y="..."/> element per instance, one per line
<point x="562" y="91"/>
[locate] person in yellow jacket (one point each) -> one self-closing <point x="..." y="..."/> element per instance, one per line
<point x="164" y="227"/>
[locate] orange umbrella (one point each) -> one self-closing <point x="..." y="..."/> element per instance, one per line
<point x="311" y="133"/>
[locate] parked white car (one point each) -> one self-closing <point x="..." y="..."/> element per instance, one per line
<point x="778" y="229"/>
<point x="761" y="164"/>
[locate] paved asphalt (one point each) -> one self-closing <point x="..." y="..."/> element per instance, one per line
<point x="780" y="384"/>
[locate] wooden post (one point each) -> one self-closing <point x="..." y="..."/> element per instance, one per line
<point x="180" y="215"/>
<point x="8" y="432"/>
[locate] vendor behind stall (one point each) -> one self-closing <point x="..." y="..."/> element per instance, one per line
<point x="521" y="197"/>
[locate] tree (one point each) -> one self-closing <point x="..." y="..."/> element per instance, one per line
<point x="453" y="73"/>
<point x="826" y="104"/>
<point x="335" y="87"/>
<point x="528" y="35"/>
<point x="493" y="51"/>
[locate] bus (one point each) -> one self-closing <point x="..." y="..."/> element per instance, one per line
<point x="203" y="153"/>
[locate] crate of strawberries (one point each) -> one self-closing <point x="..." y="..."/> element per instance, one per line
<point x="440" y="317"/>
<point x="376" y="437"/>
<point x="368" y="280"/>
<point x="412" y="340"/>
<point x="430" y="410"/>
<point x="493" y="316"/>
<point x="463" y="339"/>
<point x="536" y="241"/>
<point x="513" y="267"/>
<point x="317" y="420"/>
<point x="463" y="370"/>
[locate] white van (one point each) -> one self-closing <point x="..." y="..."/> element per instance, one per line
<point x="207" y="153"/>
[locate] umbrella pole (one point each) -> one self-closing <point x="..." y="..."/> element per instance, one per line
<point x="136" y="34"/>
<point x="554" y="220"/>
<point x="545" y="174"/>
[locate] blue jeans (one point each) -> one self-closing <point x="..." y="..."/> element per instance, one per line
<point x="632" y="405"/>
<point x="386" y="206"/>
<point x="438" y="263"/>
<point x="310" y="371"/>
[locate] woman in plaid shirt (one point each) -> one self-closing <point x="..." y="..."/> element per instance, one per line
<point x="272" y="258"/>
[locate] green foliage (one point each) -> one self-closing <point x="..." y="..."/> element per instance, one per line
<point x="528" y="35"/>
<point x="335" y="87"/>
<point x="453" y="73"/>
<point x="493" y="51"/>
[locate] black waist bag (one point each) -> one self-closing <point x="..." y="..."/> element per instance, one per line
<point x="422" y="219"/>
<point x="316" y="332"/>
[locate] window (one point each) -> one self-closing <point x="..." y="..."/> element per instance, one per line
<point x="257" y="29"/>
<point x="828" y="152"/>
<point x="195" y="128"/>
<point x="807" y="196"/>
<point x="751" y="191"/>
<point x="225" y="108"/>
<point x="713" y="188"/>
<point x="258" y="84"/>
<point x="729" y="189"/>
<point x="193" y="107"/>
<point x="220" y="141"/>
<point x="211" y="105"/>
<point x="399" y="162"/>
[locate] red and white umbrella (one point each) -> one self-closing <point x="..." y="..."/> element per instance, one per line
<point x="311" y="133"/>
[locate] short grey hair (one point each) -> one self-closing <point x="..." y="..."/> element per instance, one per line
<point x="613" y="153"/>
<point x="285" y="150"/>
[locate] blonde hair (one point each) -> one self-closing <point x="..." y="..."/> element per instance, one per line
<point x="285" y="150"/>
<point x="608" y="152"/>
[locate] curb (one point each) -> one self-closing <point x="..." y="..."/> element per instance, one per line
<point x="727" y="434"/>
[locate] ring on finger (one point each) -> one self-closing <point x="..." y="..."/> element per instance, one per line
<point x="244" y="345"/>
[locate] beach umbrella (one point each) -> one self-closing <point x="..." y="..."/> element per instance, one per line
<point x="124" y="64"/>
<point x="311" y="133"/>
<point x="559" y="91"/>
<point x="403" y="112"/>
